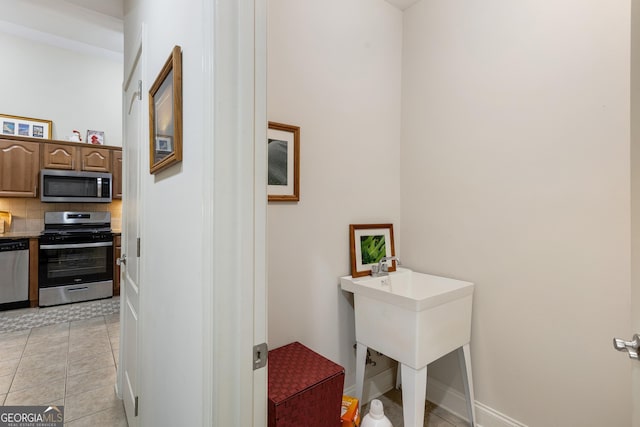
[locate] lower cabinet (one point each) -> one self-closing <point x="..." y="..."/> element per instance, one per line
<point x="117" y="251"/>
<point x="34" y="248"/>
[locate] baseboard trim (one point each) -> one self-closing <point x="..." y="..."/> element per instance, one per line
<point x="375" y="386"/>
<point x="440" y="394"/>
<point x="456" y="403"/>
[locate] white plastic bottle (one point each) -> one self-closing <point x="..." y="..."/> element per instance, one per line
<point x="376" y="417"/>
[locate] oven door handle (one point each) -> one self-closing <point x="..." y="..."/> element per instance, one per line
<point x="78" y="245"/>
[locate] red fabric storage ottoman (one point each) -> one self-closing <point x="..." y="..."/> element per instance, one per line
<point x="305" y="389"/>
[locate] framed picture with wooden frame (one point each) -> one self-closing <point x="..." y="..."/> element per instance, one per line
<point x="165" y="115"/>
<point x="283" y="151"/>
<point x="25" y="126"/>
<point x="369" y="244"/>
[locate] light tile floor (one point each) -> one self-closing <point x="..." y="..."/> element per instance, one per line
<point x="434" y="416"/>
<point x="72" y="363"/>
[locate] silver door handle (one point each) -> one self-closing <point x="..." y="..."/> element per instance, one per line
<point x="84" y="288"/>
<point x="630" y="347"/>
<point x="121" y="260"/>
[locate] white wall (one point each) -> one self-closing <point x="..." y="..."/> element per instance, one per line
<point x="74" y="90"/>
<point x="333" y="70"/>
<point x="515" y="175"/>
<point x="171" y="354"/>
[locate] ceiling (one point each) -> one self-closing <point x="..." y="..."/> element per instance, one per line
<point x="113" y="8"/>
<point x="402" y="4"/>
<point x="88" y="26"/>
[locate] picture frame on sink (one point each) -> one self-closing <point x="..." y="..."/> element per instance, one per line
<point x="25" y="127"/>
<point x="165" y="115"/>
<point x="369" y="243"/>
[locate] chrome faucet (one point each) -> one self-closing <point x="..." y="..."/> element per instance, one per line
<point x="382" y="269"/>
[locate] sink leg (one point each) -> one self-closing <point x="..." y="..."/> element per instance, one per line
<point x="361" y="361"/>
<point x="464" y="359"/>
<point x="414" y="393"/>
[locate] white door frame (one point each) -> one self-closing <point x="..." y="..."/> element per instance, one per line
<point x="234" y="212"/>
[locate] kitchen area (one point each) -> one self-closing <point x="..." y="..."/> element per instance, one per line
<point x="60" y="218"/>
<point x="60" y="153"/>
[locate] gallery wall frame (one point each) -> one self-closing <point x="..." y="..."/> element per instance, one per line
<point x="26" y="127"/>
<point x="283" y="148"/>
<point x="368" y="244"/>
<point x="165" y="115"/>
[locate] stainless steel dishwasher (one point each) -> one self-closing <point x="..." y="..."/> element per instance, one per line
<point x="14" y="273"/>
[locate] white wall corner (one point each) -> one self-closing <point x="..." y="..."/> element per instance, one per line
<point x="455" y="402"/>
<point x="437" y="392"/>
<point x="375" y="386"/>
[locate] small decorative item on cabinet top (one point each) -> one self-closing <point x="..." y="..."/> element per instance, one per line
<point x="165" y="114"/>
<point x="26" y="127"/>
<point x="283" y="152"/>
<point x="95" y="137"/>
<point x="369" y="244"/>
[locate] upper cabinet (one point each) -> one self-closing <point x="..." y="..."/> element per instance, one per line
<point x="58" y="156"/>
<point x="95" y="159"/>
<point x="69" y="157"/>
<point x="19" y="168"/>
<point x="21" y="161"/>
<point x="116" y="170"/>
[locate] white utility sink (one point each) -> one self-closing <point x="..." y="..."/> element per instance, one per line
<point x="414" y="318"/>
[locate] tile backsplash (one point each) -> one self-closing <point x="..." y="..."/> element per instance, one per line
<point x="28" y="214"/>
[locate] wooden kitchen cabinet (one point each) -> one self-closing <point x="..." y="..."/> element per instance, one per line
<point x="117" y="252"/>
<point x="116" y="170"/>
<point x="34" y="253"/>
<point x="69" y="157"/>
<point x="58" y="156"/>
<point x="95" y="159"/>
<point x="19" y="167"/>
<point x="22" y="158"/>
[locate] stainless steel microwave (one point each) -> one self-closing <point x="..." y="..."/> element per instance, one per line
<point x="70" y="186"/>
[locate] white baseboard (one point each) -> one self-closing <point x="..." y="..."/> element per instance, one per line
<point x="440" y="394"/>
<point x="375" y="386"/>
<point x="456" y="403"/>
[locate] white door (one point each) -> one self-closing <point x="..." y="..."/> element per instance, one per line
<point x="130" y="284"/>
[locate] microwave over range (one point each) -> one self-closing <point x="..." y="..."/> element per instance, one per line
<point x="71" y="186"/>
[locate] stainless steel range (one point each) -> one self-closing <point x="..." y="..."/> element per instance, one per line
<point x="75" y="257"/>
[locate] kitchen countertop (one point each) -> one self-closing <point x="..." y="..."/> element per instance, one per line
<point x="34" y="234"/>
<point x="21" y="234"/>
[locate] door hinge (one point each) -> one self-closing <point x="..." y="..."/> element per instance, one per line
<point x="260" y="354"/>
<point x="140" y="90"/>
<point x="138" y="247"/>
<point x="135" y="409"/>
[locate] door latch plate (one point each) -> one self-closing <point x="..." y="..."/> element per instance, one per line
<point x="260" y="354"/>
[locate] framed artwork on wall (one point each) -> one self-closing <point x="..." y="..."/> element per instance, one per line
<point x="283" y="151"/>
<point x="26" y="126"/>
<point x="369" y="244"/>
<point x="165" y="115"/>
